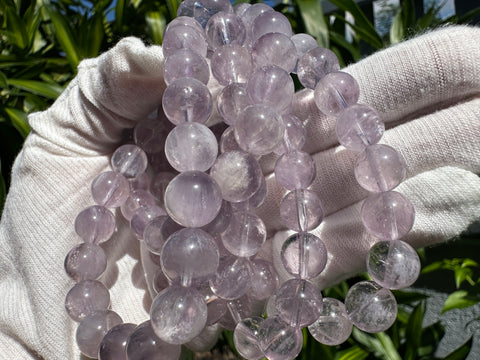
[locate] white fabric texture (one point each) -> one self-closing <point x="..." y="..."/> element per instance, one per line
<point x="426" y="89"/>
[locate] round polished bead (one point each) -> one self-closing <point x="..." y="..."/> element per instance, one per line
<point x="304" y="255"/>
<point x="232" y="279"/>
<point x="160" y="281"/>
<point x="271" y="85"/>
<point x="228" y="142"/>
<point x="86" y="297"/>
<point x="95" y="224"/>
<point x="150" y="133"/>
<point x="231" y="64"/>
<point x="275" y="49"/>
<point x="333" y="327"/>
<point x="216" y="306"/>
<point x="93" y="328"/>
<point x="393" y="264"/>
<point x="186" y="63"/>
<point x="231" y="101"/>
<point x="264" y="279"/>
<point x="295" y="170"/>
<point x="141" y="182"/>
<point x="184" y="37"/>
<point x="184" y="21"/>
<point x="294" y="136"/>
<point x="303" y="43"/>
<point x="238" y="175"/>
<point x="203" y="10"/>
<point x="239" y="309"/>
<point x="253" y="201"/>
<point x="370" y="307"/>
<point x="110" y="189"/>
<point x="159" y="184"/>
<point x="193" y="199"/>
<point x="259" y="129"/>
<point x="178" y="314"/>
<point x="248" y="16"/>
<point x="187" y="100"/>
<point x="271" y="22"/>
<point x="225" y="28"/>
<point x="359" y="126"/>
<point x="388" y="215"/>
<point x="240" y="8"/>
<point x="221" y="222"/>
<point x="189" y="254"/>
<point x="143" y="344"/>
<point x="301" y="210"/>
<point x="129" y="160"/>
<point x="245" y="234"/>
<point x="137" y="199"/>
<point x="153" y="235"/>
<point x="336" y="91"/>
<point x="278" y="340"/>
<point x="246" y="338"/>
<point x="314" y="65"/>
<point x="191" y="146"/>
<point x="379" y="168"/>
<point x="114" y="343"/>
<point x="142" y="216"/>
<point x="85" y="262"/>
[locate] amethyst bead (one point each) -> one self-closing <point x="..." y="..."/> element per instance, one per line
<point x="110" y="189"/>
<point x="232" y="280"/>
<point x="184" y="37"/>
<point x="142" y="216"/>
<point x="301" y="210"/>
<point x="275" y="49"/>
<point x="295" y="170"/>
<point x="129" y="160"/>
<point x="186" y="63"/>
<point x="246" y="338"/>
<point x="264" y="279"/>
<point x="314" y="65"/>
<point x="218" y="225"/>
<point x="86" y="297"/>
<point x="114" y="343"/>
<point x="333" y="327"/>
<point x="153" y="235"/>
<point x="150" y="134"/>
<point x="228" y="141"/>
<point x="231" y="101"/>
<point x="245" y="234"/>
<point x="231" y="64"/>
<point x="271" y="22"/>
<point x="336" y="91"/>
<point x="278" y="340"/>
<point x="159" y="184"/>
<point x="294" y="136"/>
<point x="95" y="224"/>
<point x="85" y="262"/>
<point x="137" y="199"/>
<point x="225" y="28"/>
<point x="303" y="43"/>
<point x="185" y="21"/>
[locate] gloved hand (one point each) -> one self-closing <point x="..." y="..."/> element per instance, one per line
<point x="71" y="142"/>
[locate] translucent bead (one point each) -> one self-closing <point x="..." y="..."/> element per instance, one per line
<point x="264" y="279"/>
<point x="388" y="215"/>
<point x="315" y="64"/>
<point x="232" y="279"/>
<point x="193" y="199"/>
<point x="129" y="160"/>
<point x="278" y="340"/>
<point x="191" y="146"/>
<point x="379" y="168"/>
<point x="275" y="49"/>
<point x="141" y="182"/>
<point x="216" y="306"/>
<point x="231" y="64"/>
<point x="114" y="343"/>
<point x="295" y="170"/>
<point x="370" y="307"/>
<point x="95" y="224"/>
<point x="333" y="327"/>
<point x="189" y="254"/>
<point x="359" y="126"/>
<point x="253" y="201"/>
<point x="238" y="175"/>
<point x="187" y="100"/>
<point x="185" y="21"/>
<point x="303" y="43"/>
<point x="203" y="10"/>
<point x="259" y="129"/>
<point x="228" y="141"/>
<point x="143" y="344"/>
<point x="137" y="199"/>
<point x="240" y="8"/>
<point x="110" y="189"/>
<point x="248" y="16"/>
<point x="184" y="37"/>
<point x="271" y="22"/>
<point x="142" y="216"/>
<point x="86" y="297"/>
<point x="160" y="281"/>
<point x="301" y="210"/>
<point x="393" y="264"/>
<point x="150" y="134"/>
<point x="186" y="63"/>
<point x="272" y="86"/>
<point x="159" y="184"/>
<point x="245" y="234"/>
<point x="336" y="91"/>
<point x="246" y="338"/>
<point x="294" y="136"/>
<point x="178" y="314"/>
<point x="225" y="28"/>
<point x="221" y="222"/>
<point x="93" y="328"/>
<point x="85" y="262"/>
<point x="304" y="255"/>
<point x="231" y="102"/>
<point x="153" y="235"/>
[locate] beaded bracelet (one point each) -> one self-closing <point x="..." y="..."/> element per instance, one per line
<point x="201" y="228"/>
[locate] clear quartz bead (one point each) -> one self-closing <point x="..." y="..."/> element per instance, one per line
<point x="114" y="343"/>
<point x="295" y="170"/>
<point x="278" y="340"/>
<point x="85" y="262"/>
<point x="271" y="22"/>
<point x="129" y="160"/>
<point x="275" y="49"/>
<point x="231" y="101"/>
<point x="246" y="338"/>
<point x="301" y="210"/>
<point x="142" y="216"/>
<point x="245" y="234"/>
<point x="110" y="189"/>
<point x="184" y="37"/>
<point x="137" y="199"/>
<point x="264" y="279"/>
<point x="314" y="65"/>
<point x="186" y="63"/>
<point x="86" y="297"/>
<point x="232" y="279"/>
<point x="95" y="224"/>
<point x="231" y="64"/>
<point x="336" y="91"/>
<point x="225" y="28"/>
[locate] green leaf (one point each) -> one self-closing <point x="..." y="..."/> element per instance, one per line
<point x="437" y="265"/>
<point x="462" y="274"/>
<point x="458" y="300"/>
<point x="397" y="33"/>
<point x="155" y="24"/>
<point x="388" y="349"/>
<point x="172" y="6"/>
<point x="120" y="9"/>
<point x="19" y="120"/>
<point x="461" y="353"/>
<point x="3" y="192"/>
<point x="414" y="331"/>
<point x="354" y="353"/>
<point x="341" y="41"/>
<point x="15" y="31"/>
<point x="315" y="24"/>
<point x="37" y="87"/>
<point x="96" y="34"/>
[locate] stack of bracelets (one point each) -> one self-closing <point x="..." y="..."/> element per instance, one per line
<point x="199" y="222"/>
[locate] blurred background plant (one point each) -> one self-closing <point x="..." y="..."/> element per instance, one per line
<point x="42" y="42"/>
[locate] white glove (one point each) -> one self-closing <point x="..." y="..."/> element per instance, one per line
<point x="71" y="143"/>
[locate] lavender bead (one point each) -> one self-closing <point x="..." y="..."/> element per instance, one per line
<point x="193" y="199"/>
<point x="388" y="215"/>
<point x="255" y="200"/>
<point x="159" y="184"/>
<point x="295" y="170"/>
<point x="187" y="99"/>
<point x="314" y="65"/>
<point x="370" y="307"/>
<point x="129" y="160"/>
<point x="184" y="37"/>
<point x="232" y="280"/>
<point x="393" y="264"/>
<point x="142" y="216"/>
<point x="246" y="338"/>
<point x="205" y="9"/>
<point x="245" y="234"/>
<point x="231" y="64"/>
<point x="231" y="102"/>
<point x="85" y="262"/>
<point x="271" y="85"/>
<point x="264" y="279"/>
<point x="336" y="91"/>
<point x="294" y="136"/>
<point x="218" y="225"/>
<point x="271" y="22"/>
<point x="178" y="314"/>
<point x="275" y="49"/>
<point x="240" y="8"/>
<point x="110" y="189"/>
<point x="114" y="343"/>
<point x="86" y="297"/>
<point x="333" y="327"/>
<point x="153" y="235"/>
<point x="191" y="146"/>
<point x="278" y="340"/>
<point x="143" y="344"/>
<point x="303" y="43"/>
<point x="228" y="141"/>
<point x="225" y="28"/>
<point x="95" y="224"/>
<point x="379" y="168"/>
<point x="141" y="182"/>
<point x="248" y="16"/>
<point x="186" y="63"/>
<point x="93" y="328"/>
<point x="150" y="134"/>
<point x="185" y="21"/>
<point x="237" y="310"/>
<point x="259" y="129"/>
<point x="301" y="210"/>
<point x="359" y="126"/>
<point x="304" y="255"/>
<point x="160" y="281"/>
<point x="216" y="307"/>
<point x="137" y="199"/>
